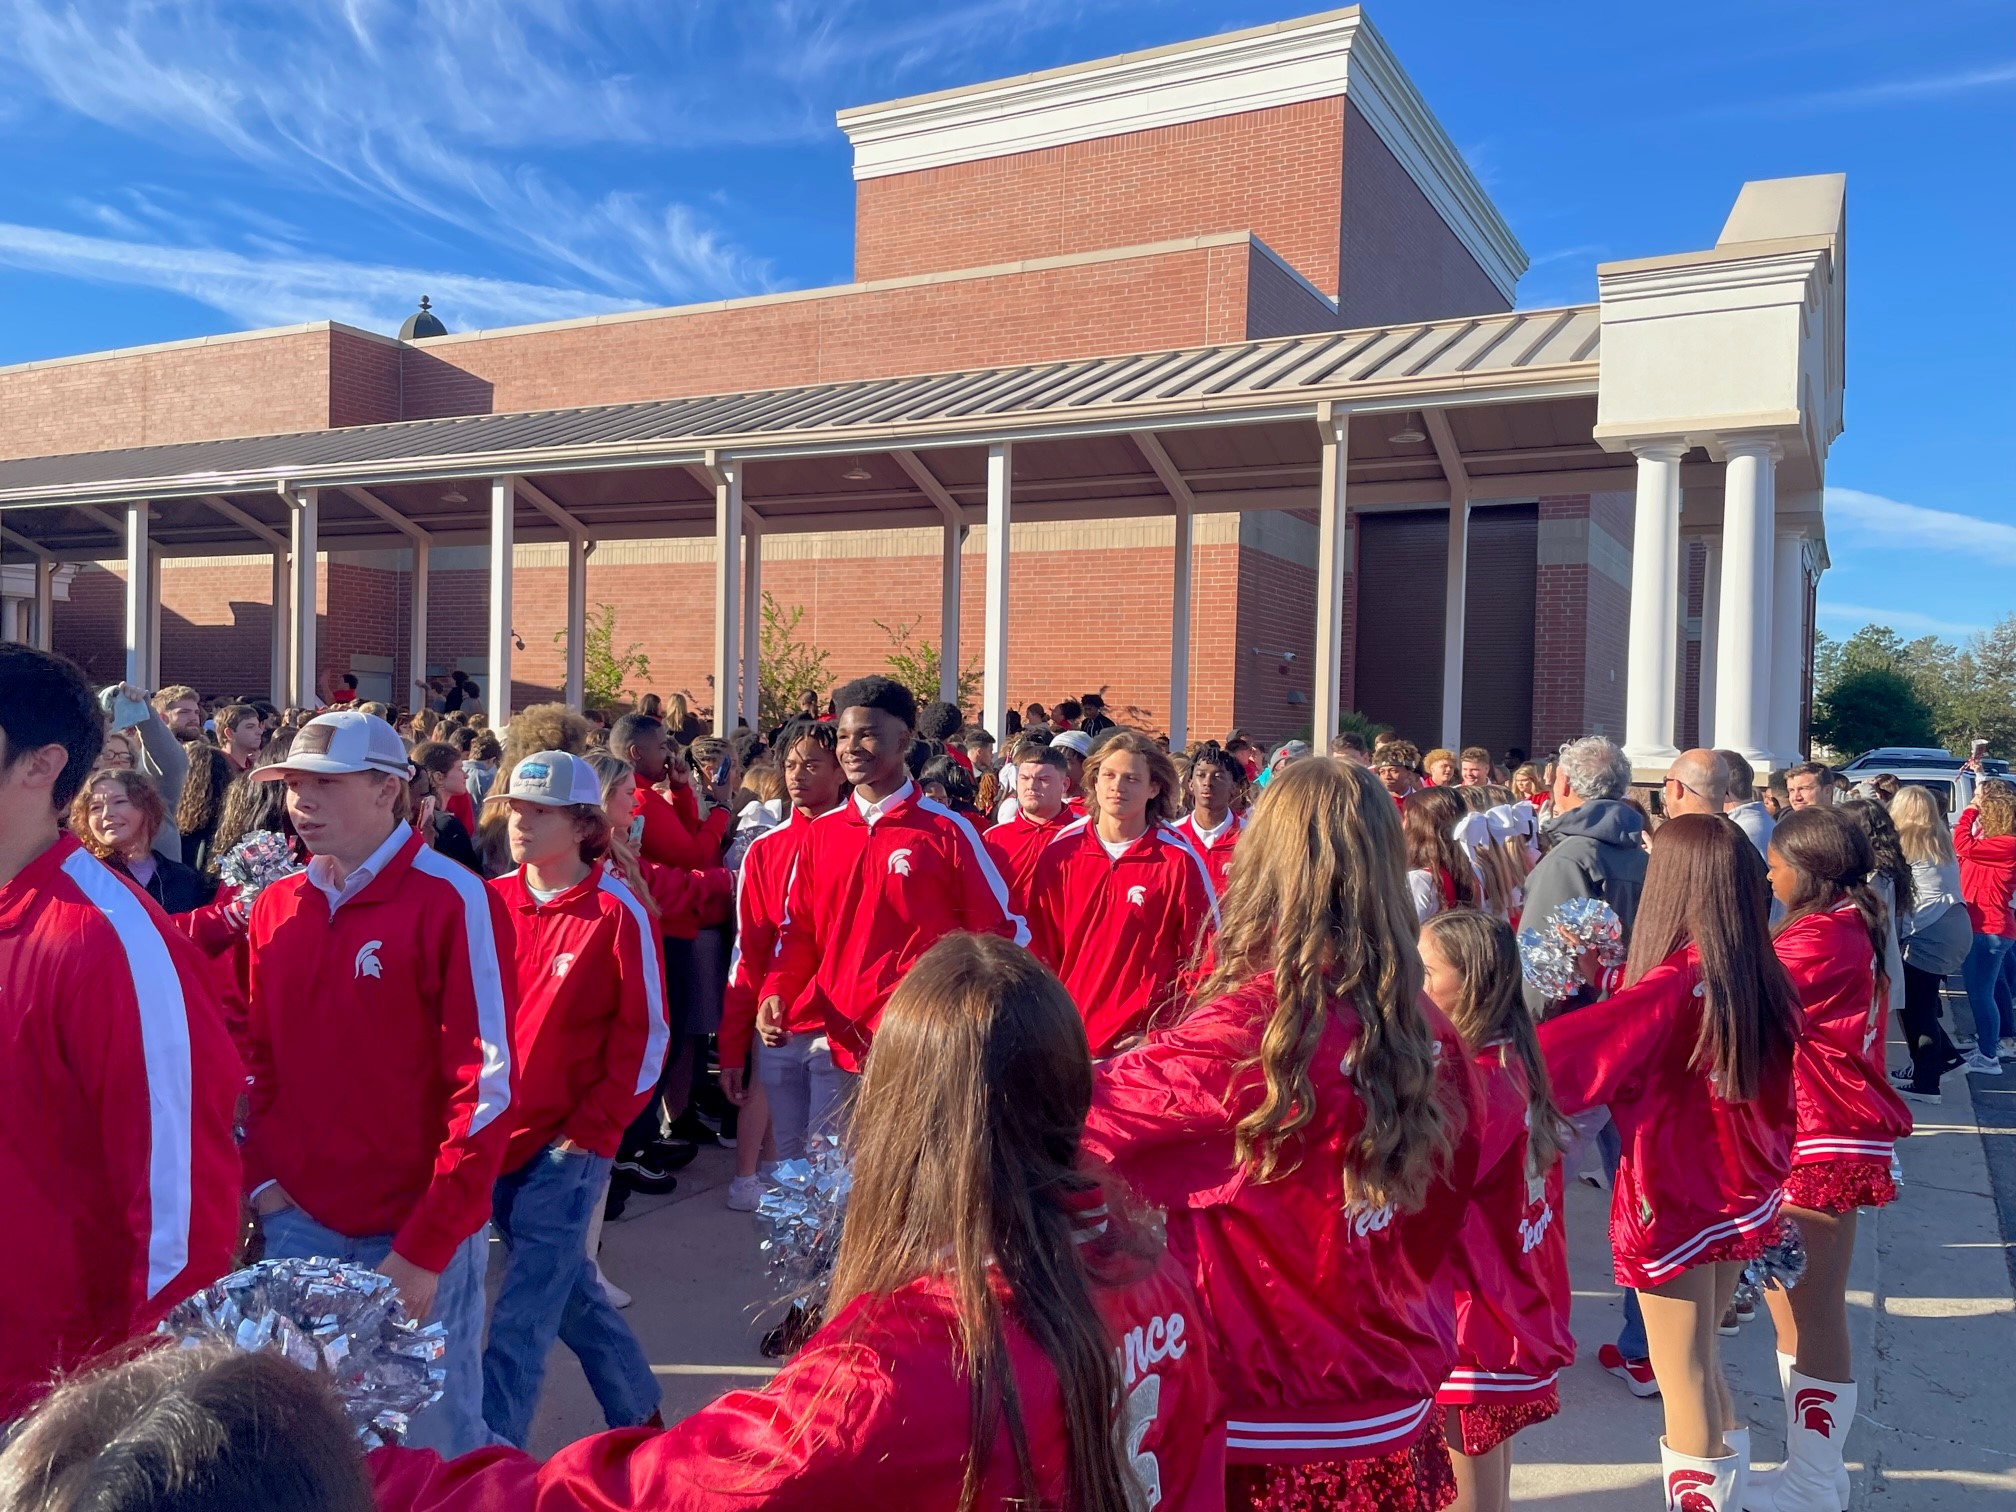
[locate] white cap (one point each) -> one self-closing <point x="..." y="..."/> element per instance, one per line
<point x="555" y="779"/>
<point x="330" y="745"/>
<point x="1073" y="740"/>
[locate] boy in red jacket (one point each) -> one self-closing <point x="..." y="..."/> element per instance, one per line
<point x="881" y="880"/>
<point x="1042" y="778"/>
<point x="379" y="1049"/>
<point x="591" y="1037"/>
<point x="118" y="1174"/>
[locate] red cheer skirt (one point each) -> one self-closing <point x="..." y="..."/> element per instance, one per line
<point x="1418" y="1478"/>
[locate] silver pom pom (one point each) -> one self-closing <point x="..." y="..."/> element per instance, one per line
<point x="254" y="863"/>
<point x="802" y="1213"/>
<point x="1783" y="1262"/>
<point x="1550" y="956"/>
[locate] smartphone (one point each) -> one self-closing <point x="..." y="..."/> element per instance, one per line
<point x="721" y="771"/>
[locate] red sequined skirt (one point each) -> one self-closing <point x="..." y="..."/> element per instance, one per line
<point x="1840" y="1186"/>
<point x="1483" y="1426"/>
<point x="1418" y="1478"/>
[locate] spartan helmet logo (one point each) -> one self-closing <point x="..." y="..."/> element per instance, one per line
<point x="899" y="863"/>
<point x="1810" y="1407"/>
<point x="563" y="962"/>
<point x="1137" y="894"/>
<point x="367" y="959"/>
<point x="1687" y="1491"/>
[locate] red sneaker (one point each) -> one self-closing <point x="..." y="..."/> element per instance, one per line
<point x="1637" y="1374"/>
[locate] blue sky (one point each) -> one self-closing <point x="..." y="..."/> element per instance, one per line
<point x="175" y="168"/>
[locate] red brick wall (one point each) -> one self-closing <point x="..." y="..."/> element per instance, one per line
<point x="1580" y="633"/>
<point x="363" y="380"/>
<point x="1275" y="173"/>
<point x="1399" y="259"/>
<point x="1280" y="304"/>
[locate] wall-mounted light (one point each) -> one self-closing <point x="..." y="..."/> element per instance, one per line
<point x="517" y="640"/>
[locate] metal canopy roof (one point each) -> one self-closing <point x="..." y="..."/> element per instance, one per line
<point x="1517" y="390"/>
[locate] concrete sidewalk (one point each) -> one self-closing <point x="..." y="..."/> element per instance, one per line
<point x="1930" y="1301"/>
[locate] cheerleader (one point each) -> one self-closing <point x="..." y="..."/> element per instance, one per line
<point x="1310" y="1128"/>
<point x="1849" y="1119"/>
<point x="1440" y="874"/>
<point x="1512" y="1304"/>
<point x="1693" y="1056"/>
<point x="994" y="1308"/>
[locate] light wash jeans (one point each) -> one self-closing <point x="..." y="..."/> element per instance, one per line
<point x="808" y="1093"/>
<point x="453" y="1425"/>
<point x="1986" y="971"/>
<point x="549" y="1290"/>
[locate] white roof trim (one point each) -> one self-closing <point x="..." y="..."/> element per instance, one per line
<point x="1339" y="53"/>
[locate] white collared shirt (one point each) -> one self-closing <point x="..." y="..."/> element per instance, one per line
<point x="874" y="811"/>
<point x="319" y="868"/>
<point x="1210" y="836"/>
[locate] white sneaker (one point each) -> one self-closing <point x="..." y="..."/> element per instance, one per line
<point x="1934" y="1098"/>
<point x="616" y="1295"/>
<point x="1982" y="1065"/>
<point x="2007" y="1049"/>
<point x="744" y="1192"/>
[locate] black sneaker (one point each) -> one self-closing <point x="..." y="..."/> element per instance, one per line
<point x="619" y="1196"/>
<point x="647" y="1172"/>
<point x="689" y="1127"/>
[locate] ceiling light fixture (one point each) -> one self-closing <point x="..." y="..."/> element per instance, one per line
<point x="858" y="474"/>
<point x="454" y="496"/>
<point x="1407" y="435"/>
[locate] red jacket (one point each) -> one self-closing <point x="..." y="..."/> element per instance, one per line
<point x="379" y="1045"/>
<point x="1330" y="1328"/>
<point x="1848" y="1109"/>
<point x="1217" y="853"/>
<point x="865" y="901"/>
<point x="1513" y="1295"/>
<point x="1017" y="843"/>
<point x="591" y="1032"/>
<point x="759" y="913"/>
<point x="118" y="1174"/>
<point x="670" y="838"/>
<point x="1119" y="932"/>
<point x="1987" y="877"/>
<point x="1696" y="1171"/>
<point x="874" y="1412"/>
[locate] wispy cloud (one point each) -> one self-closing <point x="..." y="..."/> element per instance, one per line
<point x="1880" y="92"/>
<point x="285" y="288"/>
<point x="1901" y="526"/>
<point x="1896" y="619"/>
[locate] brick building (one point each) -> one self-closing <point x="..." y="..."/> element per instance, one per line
<point x="1210" y="342"/>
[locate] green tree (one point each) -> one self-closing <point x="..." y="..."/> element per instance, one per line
<point x="790" y="665"/>
<point x="1970" y="690"/>
<point x="606" y="672"/>
<point x="917" y="666"/>
<point x="1872" y="706"/>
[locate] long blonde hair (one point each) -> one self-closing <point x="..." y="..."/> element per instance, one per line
<point x="1319" y="898"/>
<point x="1165" y="806"/>
<point x="1921" y="827"/>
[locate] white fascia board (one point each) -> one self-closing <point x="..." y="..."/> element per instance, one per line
<point x="1326" y="57"/>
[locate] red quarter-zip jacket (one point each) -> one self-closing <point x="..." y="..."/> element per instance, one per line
<point x="760" y="889"/>
<point x="1987" y="876"/>
<point x="379" y="1045"/>
<point x="1119" y="931"/>
<point x="591" y="1033"/>
<point x="1696" y="1171"/>
<point x="865" y="901"/>
<point x="1017" y="843"/>
<point x="1848" y="1110"/>
<point x="670" y="840"/>
<point x="118" y="1174"/>
<point x="1217" y="853"/>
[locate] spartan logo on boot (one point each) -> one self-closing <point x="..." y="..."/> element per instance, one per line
<point x="1810" y="1407"/>
<point x="1691" y="1491"/>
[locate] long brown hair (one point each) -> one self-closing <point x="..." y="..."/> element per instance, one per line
<point x="1492" y="1010"/>
<point x="964" y="1147"/>
<point x="1165" y="806"/>
<point x="140" y="791"/>
<point x="203" y="789"/>
<point x="1429" y="826"/>
<point x="1319" y="898"/>
<point x="1830" y="854"/>
<point x="1705" y="886"/>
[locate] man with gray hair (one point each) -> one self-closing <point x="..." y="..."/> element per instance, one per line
<point x="1594" y="842"/>
<point x="1741" y="803"/>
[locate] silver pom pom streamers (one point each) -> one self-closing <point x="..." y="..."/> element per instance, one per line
<point x="341" y="1321"/>
<point x="1783" y="1262"/>
<point x="1550" y="956"/>
<point x="802" y="1214"/>
<point x="257" y="861"/>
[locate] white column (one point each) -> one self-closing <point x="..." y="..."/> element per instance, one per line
<point x="948" y="615"/>
<point x="1743" y="629"/>
<point x="416" y="634"/>
<point x="578" y="547"/>
<point x="752" y="624"/>
<point x="305" y="517"/>
<point x="1332" y="542"/>
<point x="1788" y="648"/>
<point x="139" y="618"/>
<point x="153" y="619"/>
<point x="1179" y="630"/>
<point x="503" y="543"/>
<point x="1653" y="657"/>
<point x="281" y="632"/>
<point x="1711" y="610"/>
<point x="727" y="594"/>
<point x="1455" y="590"/>
<point x="994" y="661"/>
<point x="45" y="604"/>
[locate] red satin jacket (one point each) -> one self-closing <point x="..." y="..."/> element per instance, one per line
<point x="1847" y="1108"/>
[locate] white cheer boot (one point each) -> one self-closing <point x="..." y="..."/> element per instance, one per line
<point x="1818" y="1415"/>
<point x="1699" y="1485"/>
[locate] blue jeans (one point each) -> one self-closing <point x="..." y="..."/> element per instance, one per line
<point x="1631" y="1341"/>
<point x="453" y="1425"/>
<point x="1987" y="972"/>
<point x="549" y="1290"/>
<point x="807" y="1091"/>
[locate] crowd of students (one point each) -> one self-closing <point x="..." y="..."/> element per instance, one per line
<point x="1208" y="1145"/>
